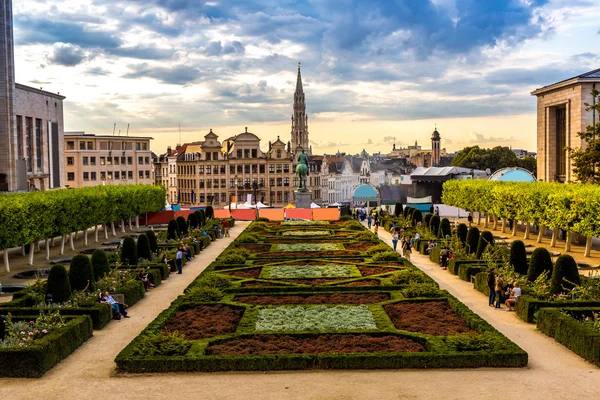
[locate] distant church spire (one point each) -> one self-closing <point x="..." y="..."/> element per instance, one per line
<point x="299" y="118"/>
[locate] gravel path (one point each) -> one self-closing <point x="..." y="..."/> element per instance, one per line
<point x="553" y="373"/>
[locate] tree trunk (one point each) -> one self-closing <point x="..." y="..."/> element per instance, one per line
<point x="31" y="247"/>
<point x="23" y="252"/>
<point x="541" y="233"/>
<point x="478" y="218"/>
<point x="527" y="227"/>
<point x="62" y="245"/>
<point x="137" y="222"/>
<point x="71" y="244"/>
<point x="76" y="235"/>
<point x="568" y="241"/>
<point x="554" y="235"/>
<point x="96" y="234"/>
<point x="588" y="246"/>
<point x="105" y="226"/>
<point x="52" y="242"/>
<point x="85" y="238"/>
<point x="112" y="226"/>
<point x="123" y="225"/>
<point x="514" y="229"/>
<point x="503" y="225"/>
<point x="130" y="229"/>
<point x="6" y="263"/>
<point x="486" y="221"/>
<point x="47" y="249"/>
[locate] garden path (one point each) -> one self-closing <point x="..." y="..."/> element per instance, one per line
<point x="553" y="373"/>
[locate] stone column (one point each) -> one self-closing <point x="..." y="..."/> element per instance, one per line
<point x="7" y="98"/>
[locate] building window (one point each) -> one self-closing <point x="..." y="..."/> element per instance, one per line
<point x="279" y="197"/>
<point x="141" y="174"/>
<point x="201" y="184"/>
<point x="29" y="142"/>
<point x="129" y="160"/>
<point x="201" y="169"/>
<point x="278" y="153"/>
<point x="261" y="182"/>
<point x="223" y="183"/>
<point x="144" y="146"/>
<point x="70" y="161"/>
<point x="19" y="136"/>
<point x="147" y="174"/>
<point x="222" y="169"/>
<point x="215" y="183"/>
<point x="92" y="160"/>
<point x="102" y="160"/>
<point x="261" y="168"/>
<point x="215" y="155"/>
<point x="85" y="161"/>
<point x="140" y="160"/>
<point x="286" y="197"/>
<point x="93" y="176"/>
<point x="147" y="160"/>
<point x="201" y="198"/>
<point x="239" y="153"/>
<point x="247" y="183"/>
<point x="81" y="145"/>
<point x="246" y="169"/>
<point x="102" y="176"/>
<point x="116" y="160"/>
<point x="279" y="181"/>
<point x="138" y="146"/>
<point x="271" y="168"/>
<point x="123" y="160"/>
<point x="286" y="168"/>
<point x="117" y="175"/>
<point x="215" y="169"/>
<point x="129" y="174"/>
<point x="108" y="160"/>
<point x="208" y="170"/>
<point x="90" y="145"/>
<point x="123" y="175"/>
<point x="254" y="153"/>
<point x="286" y="181"/>
<point x="561" y="143"/>
<point x="278" y="168"/>
<point x="208" y="156"/>
<point x="232" y="169"/>
<point x="271" y="181"/>
<point x="240" y="169"/>
<point x="246" y="153"/>
<point x="223" y="197"/>
<point x="255" y="169"/>
<point x="109" y="175"/>
<point x="70" y="145"/>
<point x="70" y="176"/>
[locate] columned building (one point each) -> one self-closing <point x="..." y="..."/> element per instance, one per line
<point x="561" y="113"/>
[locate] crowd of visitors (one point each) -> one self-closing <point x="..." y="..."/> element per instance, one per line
<point x="501" y="292"/>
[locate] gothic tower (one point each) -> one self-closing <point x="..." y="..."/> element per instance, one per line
<point x="8" y="179"/>
<point x="299" y="119"/>
<point x="435" y="148"/>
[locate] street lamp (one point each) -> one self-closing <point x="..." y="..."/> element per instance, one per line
<point x="235" y="181"/>
<point x="255" y="187"/>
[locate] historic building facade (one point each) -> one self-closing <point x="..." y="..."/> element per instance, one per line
<point x="561" y="113"/>
<point x="107" y="160"/>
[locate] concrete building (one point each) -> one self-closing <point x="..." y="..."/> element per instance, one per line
<point x="31" y="124"/>
<point x="561" y="113"/>
<point x="107" y="160"/>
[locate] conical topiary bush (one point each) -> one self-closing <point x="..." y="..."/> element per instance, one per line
<point x="210" y="212"/>
<point x="417" y="217"/>
<point x="486" y="239"/>
<point x="173" y="230"/>
<point x="405" y="211"/>
<point x="100" y="264"/>
<point x="398" y="209"/>
<point x="461" y="232"/>
<point x="152" y="240"/>
<point x="81" y="274"/>
<point x="434" y="224"/>
<point x="472" y="240"/>
<point x="202" y="218"/>
<point x="58" y="284"/>
<point x="518" y="257"/>
<point x="427" y="219"/>
<point x="182" y="225"/>
<point x="540" y="261"/>
<point x="143" y="247"/>
<point x="565" y="275"/>
<point x="192" y="221"/>
<point x="129" y="251"/>
<point x="444" y="229"/>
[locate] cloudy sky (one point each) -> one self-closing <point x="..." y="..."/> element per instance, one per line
<point x="375" y="72"/>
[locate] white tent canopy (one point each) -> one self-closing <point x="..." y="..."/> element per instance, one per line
<point x="314" y="205"/>
<point x="261" y="205"/>
<point x="419" y="200"/>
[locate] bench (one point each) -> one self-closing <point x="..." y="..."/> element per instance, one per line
<point x="119" y="298"/>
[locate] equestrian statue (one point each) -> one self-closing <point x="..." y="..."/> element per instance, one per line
<point x="302" y="170"/>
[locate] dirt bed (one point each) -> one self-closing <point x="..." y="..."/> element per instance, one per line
<point x="364" y="282"/>
<point x="288" y="344"/>
<point x="246" y="273"/>
<point x="256" y="248"/>
<point x="315" y="254"/>
<point x="432" y="318"/>
<point x="360" y="246"/>
<point x="367" y="271"/>
<point x="338" y="298"/>
<point x="205" y="321"/>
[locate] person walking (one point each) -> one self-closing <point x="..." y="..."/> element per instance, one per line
<point x="491" y="282"/>
<point x="499" y="290"/>
<point x="395" y="239"/>
<point x="179" y="260"/>
<point x="375" y="230"/>
<point x="470" y="219"/>
<point x="406" y="250"/>
<point x="437" y="211"/>
<point x="226" y="228"/>
<point x="369" y="219"/>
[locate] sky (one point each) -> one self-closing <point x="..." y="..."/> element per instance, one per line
<point x="375" y="72"/>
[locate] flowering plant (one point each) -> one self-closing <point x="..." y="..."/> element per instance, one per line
<point x="22" y="333"/>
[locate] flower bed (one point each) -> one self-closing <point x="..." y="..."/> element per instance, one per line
<point x="288" y="344"/>
<point x="306" y="233"/>
<point x="360" y="246"/>
<point x="205" y="321"/>
<point x="316" y="318"/>
<point x="337" y="298"/>
<point x="246" y="273"/>
<point x="303" y="223"/>
<point x="367" y="270"/>
<point x="309" y="271"/>
<point x="432" y="318"/>
<point x="306" y="247"/>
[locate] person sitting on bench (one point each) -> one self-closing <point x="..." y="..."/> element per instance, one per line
<point x="118" y="308"/>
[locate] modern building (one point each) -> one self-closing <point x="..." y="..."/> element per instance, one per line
<point x="31" y="124"/>
<point x="561" y="114"/>
<point x="107" y="160"/>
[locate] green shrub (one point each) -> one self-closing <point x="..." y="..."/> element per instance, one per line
<point x="202" y="218"/>
<point x="248" y="238"/>
<point x="398" y="209"/>
<point x="158" y="344"/>
<point x="129" y="251"/>
<point x="540" y="261"/>
<point x="214" y="281"/>
<point x="444" y="229"/>
<point x="182" y="227"/>
<point x="345" y="218"/>
<point x="380" y="248"/>
<point x="58" y="284"/>
<point x="364" y="236"/>
<point x="100" y="264"/>
<point x="263" y="219"/>
<point x="81" y="273"/>
<point x="404" y="277"/>
<point x="486" y="238"/>
<point x="152" y="240"/>
<point x="193" y="221"/>
<point x="427" y="219"/>
<point x="204" y="294"/>
<point x="353" y="225"/>
<point x="210" y="212"/>
<point x="472" y="240"/>
<point x="565" y="275"/>
<point x="518" y="257"/>
<point x="434" y="224"/>
<point x="417" y="217"/>
<point x="405" y="211"/>
<point x="486" y="341"/>
<point x="143" y="247"/>
<point x="232" y="259"/>
<point x="461" y="232"/>
<point x="172" y="230"/>
<point x="386" y="256"/>
<point x="416" y="289"/>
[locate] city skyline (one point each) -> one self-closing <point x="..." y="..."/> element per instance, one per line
<point x="374" y="74"/>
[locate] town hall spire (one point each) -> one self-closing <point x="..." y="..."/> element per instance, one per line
<point x="299" y="118"/>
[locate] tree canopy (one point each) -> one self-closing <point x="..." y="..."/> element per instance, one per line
<point x="496" y="158"/>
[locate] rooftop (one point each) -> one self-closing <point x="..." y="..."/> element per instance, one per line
<point x="591" y="76"/>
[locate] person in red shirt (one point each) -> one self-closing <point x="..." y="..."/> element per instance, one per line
<point x="226" y="228"/>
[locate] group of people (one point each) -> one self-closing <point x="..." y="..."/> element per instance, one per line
<point x="501" y="292"/>
<point x="406" y="244"/>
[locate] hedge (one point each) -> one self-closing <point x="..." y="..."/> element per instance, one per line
<point x="465" y="271"/>
<point x="100" y="314"/>
<point x="480" y="283"/>
<point x="455" y="263"/>
<point x="528" y="306"/>
<point x="583" y="340"/>
<point x="35" y="360"/>
<point x="133" y="291"/>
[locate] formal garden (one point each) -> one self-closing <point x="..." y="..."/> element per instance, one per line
<point x="324" y="295"/>
<point x="48" y="320"/>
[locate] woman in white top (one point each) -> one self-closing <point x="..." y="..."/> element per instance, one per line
<point x="395" y="239"/>
<point x="515" y="293"/>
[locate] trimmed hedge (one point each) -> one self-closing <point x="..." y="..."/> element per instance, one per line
<point x="34" y="361"/>
<point x="58" y="284"/>
<point x="465" y="271"/>
<point x="133" y="291"/>
<point x="581" y="339"/>
<point x="100" y="314"/>
<point x="565" y="275"/>
<point x="472" y="240"/>
<point x="540" y="261"/>
<point x="81" y="274"/>
<point x="129" y="251"/>
<point x="480" y="283"/>
<point x="528" y="306"/>
<point x="100" y="264"/>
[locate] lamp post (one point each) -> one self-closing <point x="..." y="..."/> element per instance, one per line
<point x="255" y="188"/>
<point x="235" y="182"/>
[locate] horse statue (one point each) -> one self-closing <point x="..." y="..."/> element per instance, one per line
<point x="302" y="170"/>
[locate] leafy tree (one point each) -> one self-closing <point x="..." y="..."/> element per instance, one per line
<point x="586" y="161"/>
<point x="472" y="240"/>
<point x="58" y="284"/>
<point x="518" y="257"/>
<point x="495" y="158"/>
<point x="182" y="225"/>
<point x="486" y="239"/>
<point x="152" y="240"/>
<point x="540" y="261"/>
<point x="143" y="247"/>
<point x="565" y="275"/>
<point x="100" y="264"/>
<point x="129" y="251"/>
<point x="81" y="274"/>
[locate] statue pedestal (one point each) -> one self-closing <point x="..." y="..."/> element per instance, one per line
<point x="303" y="198"/>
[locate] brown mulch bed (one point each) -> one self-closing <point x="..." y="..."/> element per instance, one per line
<point x="337" y="298"/>
<point x="205" y="321"/>
<point x="360" y="246"/>
<point x="288" y="344"/>
<point x="364" y="282"/>
<point x="246" y="273"/>
<point x="310" y="253"/>
<point x="311" y="282"/>
<point x="313" y="262"/>
<point x="255" y="247"/>
<point x="367" y="271"/>
<point x="432" y="317"/>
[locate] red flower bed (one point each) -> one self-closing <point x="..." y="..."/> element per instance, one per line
<point x="366" y="270"/>
<point x="205" y="321"/>
<point x="364" y="282"/>
<point x="287" y="344"/>
<point x="337" y="298"/>
<point x="431" y="317"/>
<point x="246" y="273"/>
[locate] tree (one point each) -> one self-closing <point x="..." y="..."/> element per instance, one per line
<point x="444" y="229"/>
<point x="81" y="274"/>
<point x="152" y="240"/>
<point x="193" y="221"/>
<point x="472" y="240"/>
<point x="540" y="261"/>
<point x="398" y="209"/>
<point x="518" y="257"/>
<point x="417" y="217"/>
<point x="100" y="264"/>
<point x="434" y="224"/>
<point x="210" y="212"/>
<point x="486" y="239"/>
<point x="496" y="158"/>
<point x="173" y="230"/>
<point x="182" y="225"/>
<point x="129" y="251"/>
<point x="586" y="161"/>
<point x="461" y="232"/>
<point x="143" y="247"/>
<point x="565" y="275"/>
<point x="58" y="284"/>
<point x="427" y="219"/>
